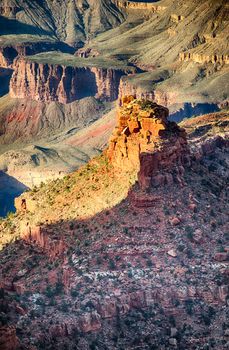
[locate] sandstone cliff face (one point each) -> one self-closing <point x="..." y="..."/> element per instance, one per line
<point x="44" y="82"/>
<point x="146" y="141"/>
<point x="38" y="236"/>
<point x="203" y="58"/>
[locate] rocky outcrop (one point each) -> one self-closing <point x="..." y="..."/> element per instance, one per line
<point x="8" y="338"/>
<point x="9" y="9"/>
<point x="176" y="18"/>
<point x="201" y="149"/>
<point x="46" y="82"/>
<point x="203" y="58"/>
<point x="134" y="5"/>
<point x="40" y="237"/>
<point x="87" y="52"/>
<point x="9" y="52"/>
<point x="145" y="141"/>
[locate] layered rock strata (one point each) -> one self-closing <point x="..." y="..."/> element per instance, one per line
<point x="134" y="5"/>
<point x="203" y="58"/>
<point x="145" y="141"/>
<point x="9" y="52"/>
<point x="46" y="82"/>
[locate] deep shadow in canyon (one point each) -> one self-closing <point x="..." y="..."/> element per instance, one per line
<point x="189" y="111"/>
<point x="12" y="26"/>
<point x="10" y="188"/>
<point x="5" y="76"/>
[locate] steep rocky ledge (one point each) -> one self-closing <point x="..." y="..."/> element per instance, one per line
<point x="203" y="58"/>
<point x="137" y="5"/>
<point x="48" y="82"/>
<point x="8" y="52"/>
<point x="146" y="141"/>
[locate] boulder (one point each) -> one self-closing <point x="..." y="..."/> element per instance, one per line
<point x="172" y="253"/>
<point x="175" y="221"/>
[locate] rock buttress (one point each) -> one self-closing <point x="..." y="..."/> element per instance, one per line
<point x="145" y="141"/>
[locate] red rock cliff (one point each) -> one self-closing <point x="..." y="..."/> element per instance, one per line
<point x="145" y="141"/>
<point x="46" y="82"/>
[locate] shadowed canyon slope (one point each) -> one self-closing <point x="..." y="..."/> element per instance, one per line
<point x="71" y="21"/>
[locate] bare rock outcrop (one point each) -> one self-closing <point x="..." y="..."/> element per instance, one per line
<point x="139" y="5"/>
<point x="145" y="141"/>
<point x="8" y="52"/>
<point x="47" y="82"/>
<point x="203" y="58"/>
<point x="40" y="237"/>
<point x="9" y="9"/>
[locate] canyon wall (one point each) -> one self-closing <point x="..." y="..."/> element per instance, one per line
<point x="176" y="100"/>
<point x="145" y="6"/>
<point x="46" y="82"/>
<point x="203" y="58"/>
<point x="145" y="141"/>
<point x="9" y="52"/>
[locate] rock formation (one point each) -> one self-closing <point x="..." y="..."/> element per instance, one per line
<point x="47" y="82"/>
<point x="9" y="52"/>
<point x="9" y="9"/>
<point x="203" y="58"/>
<point x="139" y="5"/>
<point x="145" y="141"/>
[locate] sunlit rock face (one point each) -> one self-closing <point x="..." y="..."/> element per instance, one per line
<point x="47" y="82"/>
<point x="146" y="141"/>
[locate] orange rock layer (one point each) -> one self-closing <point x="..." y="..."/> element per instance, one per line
<point x="146" y="142"/>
